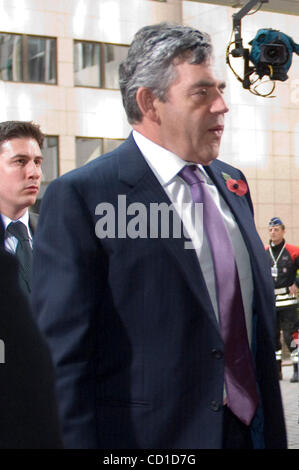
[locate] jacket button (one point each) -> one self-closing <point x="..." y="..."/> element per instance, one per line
<point x="217" y="354"/>
<point x="215" y="405"/>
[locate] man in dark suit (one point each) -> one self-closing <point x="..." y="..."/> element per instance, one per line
<point x="28" y="408"/>
<point x="20" y="177"/>
<point x="147" y="335"/>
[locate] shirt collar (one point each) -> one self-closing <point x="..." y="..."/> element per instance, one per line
<point x="277" y="247"/>
<point x="165" y="164"/>
<point x="24" y="219"/>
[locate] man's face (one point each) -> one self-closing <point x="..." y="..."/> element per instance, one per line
<point x="192" y="118"/>
<point x="276" y="234"/>
<point x="20" y="175"/>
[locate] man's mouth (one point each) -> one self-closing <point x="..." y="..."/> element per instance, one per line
<point x="217" y="130"/>
<point x="32" y="187"/>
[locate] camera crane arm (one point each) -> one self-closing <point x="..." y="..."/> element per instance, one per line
<point x="270" y="55"/>
<point x="237" y="17"/>
<point x="239" y="50"/>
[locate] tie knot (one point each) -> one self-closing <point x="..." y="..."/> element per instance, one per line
<point x="191" y="174"/>
<point x="18" y="230"/>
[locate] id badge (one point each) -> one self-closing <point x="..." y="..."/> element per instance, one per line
<point x="274" y="271"/>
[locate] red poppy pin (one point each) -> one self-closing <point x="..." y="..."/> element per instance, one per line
<point x="239" y="187"/>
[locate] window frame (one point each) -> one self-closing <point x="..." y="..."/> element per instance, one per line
<point x="36" y="206"/>
<point x="102" y="45"/>
<point x="46" y="183"/>
<point x="102" y="139"/>
<point x="25" y="65"/>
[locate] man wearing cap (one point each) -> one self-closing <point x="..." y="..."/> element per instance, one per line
<point x="284" y="264"/>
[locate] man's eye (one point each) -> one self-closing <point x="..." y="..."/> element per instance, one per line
<point x="202" y="92"/>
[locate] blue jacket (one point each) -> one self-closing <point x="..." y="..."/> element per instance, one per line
<point x="133" y="334"/>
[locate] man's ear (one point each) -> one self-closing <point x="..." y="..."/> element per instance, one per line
<point x="146" y="102"/>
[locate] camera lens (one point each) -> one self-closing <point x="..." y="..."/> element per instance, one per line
<point x="274" y="54"/>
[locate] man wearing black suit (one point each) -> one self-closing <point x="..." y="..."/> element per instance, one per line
<point x="20" y="177"/>
<point x="28" y="408"/>
<point x="146" y="349"/>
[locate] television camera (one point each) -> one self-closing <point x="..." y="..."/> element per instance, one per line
<point x="270" y="54"/>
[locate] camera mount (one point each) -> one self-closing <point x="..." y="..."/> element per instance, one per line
<point x="239" y="50"/>
<point x="270" y="55"/>
<point x="237" y="17"/>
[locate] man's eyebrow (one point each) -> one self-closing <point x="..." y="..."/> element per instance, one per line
<point x="209" y="83"/>
<point x="20" y="155"/>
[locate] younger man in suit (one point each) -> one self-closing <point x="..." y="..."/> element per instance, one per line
<point x="28" y="407"/>
<point x="156" y="345"/>
<point x="20" y="177"/>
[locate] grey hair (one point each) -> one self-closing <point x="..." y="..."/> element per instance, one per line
<point x="151" y="58"/>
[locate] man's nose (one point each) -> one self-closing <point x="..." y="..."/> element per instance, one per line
<point x="219" y="105"/>
<point x="33" y="170"/>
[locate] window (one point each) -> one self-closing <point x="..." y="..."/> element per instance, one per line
<point x="49" y="167"/>
<point x="96" y="64"/>
<point x="113" y="56"/>
<point x="89" y="148"/>
<point x="111" y="144"/>
<point x="50" y="162"/>
<point x="87" y="64"/>
<point x="26" y="58"/>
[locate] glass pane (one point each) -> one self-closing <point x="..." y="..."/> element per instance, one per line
<point x="111" y="144"/>
<point x="50" y="67"/>
<point x="49" y="167"/>
<point x="87" y="64"/>
<point x="114" y="55"/>
<point x="11" y="57"/>
<point x="50" y="162"/>
<point x="87" y="149"/>
<point x="27" y="58"/>
<point x="40" y="56"/>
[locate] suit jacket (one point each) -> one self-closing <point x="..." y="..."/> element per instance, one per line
<point x="28" y="408"/>
<point x="135" y="341"/>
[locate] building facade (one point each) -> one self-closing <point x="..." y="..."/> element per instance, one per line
<point x="58" y="67"/>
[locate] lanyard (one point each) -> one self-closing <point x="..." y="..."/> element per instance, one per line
<point x="275" y="261"/>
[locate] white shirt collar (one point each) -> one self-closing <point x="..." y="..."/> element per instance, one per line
<point x="24" y="219"/>
<point x="164" y="163"/>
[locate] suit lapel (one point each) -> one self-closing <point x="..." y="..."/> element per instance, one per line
<point x="241" y="209"/>
<point x="146" y="189"/>
<point x="236" y="203"/>
<point x="143" y="187"/>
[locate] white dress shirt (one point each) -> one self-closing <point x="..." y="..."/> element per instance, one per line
<point x="11" y="242"/>
<point x="166" y="166"/>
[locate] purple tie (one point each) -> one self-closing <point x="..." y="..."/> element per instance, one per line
<point x="239" y="376"/>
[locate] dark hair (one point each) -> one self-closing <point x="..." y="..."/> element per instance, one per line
<point x="20" y="129"/>
<point x="154" y="52"/>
